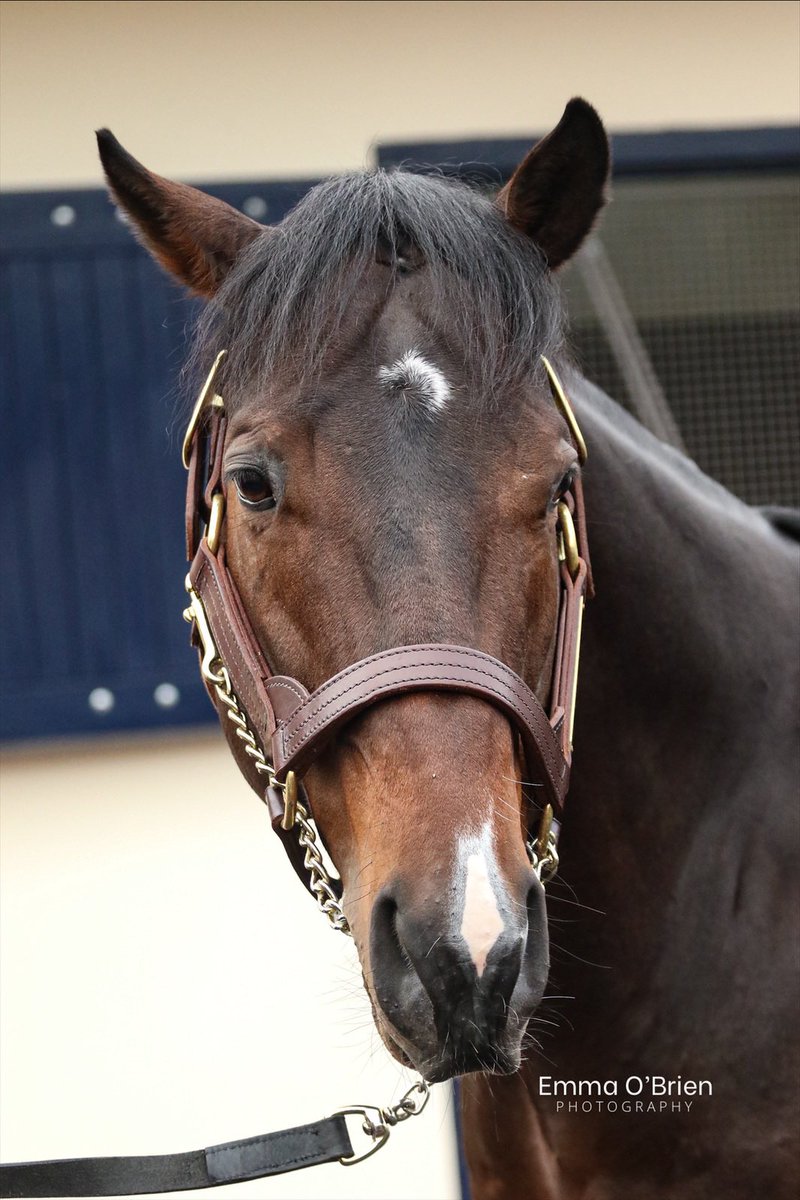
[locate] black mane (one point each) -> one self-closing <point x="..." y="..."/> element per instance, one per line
<point x="282" y="303"/>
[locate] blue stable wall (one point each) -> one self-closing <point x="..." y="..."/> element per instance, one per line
<point x="671" y="152"/>
<point x="92" y="342"/>
<point x="92" y="339"/>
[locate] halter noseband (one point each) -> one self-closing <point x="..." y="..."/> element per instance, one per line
<point x="276" y="728"/>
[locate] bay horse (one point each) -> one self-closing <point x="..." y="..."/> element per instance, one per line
<point x="392" y="475"/>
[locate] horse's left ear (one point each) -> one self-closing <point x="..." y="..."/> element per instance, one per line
<point x="195" y="236"/>
<point x="558" y="189"/>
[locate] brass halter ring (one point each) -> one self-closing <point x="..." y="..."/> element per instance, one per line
<point x="568" y="542"/>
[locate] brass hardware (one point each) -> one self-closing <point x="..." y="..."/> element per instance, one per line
<point x="563" y="404"/>
<point x="568" y="548"/>
<point x="195" y="614"/>
<point x="387" y="1118"/>
<point x="206" y="398"/>
<point x="543" y="852"/>
<point x="545" y="826"/>
<point x="214" y="530"/>
<point x="289" y="801"/>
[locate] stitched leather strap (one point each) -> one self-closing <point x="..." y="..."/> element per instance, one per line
<point x="317" y="719"/>
<point x="270" y="1154"/>
<point x="309" y="722"/>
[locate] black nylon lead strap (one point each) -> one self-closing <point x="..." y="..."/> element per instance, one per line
<point x="270" y="1154"/>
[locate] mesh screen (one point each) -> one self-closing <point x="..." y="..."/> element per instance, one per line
<point x="710" y="269"/>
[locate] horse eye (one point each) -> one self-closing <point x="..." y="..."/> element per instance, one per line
<point x="254" y="489"/>
<point x="564" y="486"/>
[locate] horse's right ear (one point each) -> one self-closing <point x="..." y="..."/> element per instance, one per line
<point x="195" y="236"/>
<point x="558" y="189"/>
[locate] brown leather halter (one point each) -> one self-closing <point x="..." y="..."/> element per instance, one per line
<point x="276" y="728"/>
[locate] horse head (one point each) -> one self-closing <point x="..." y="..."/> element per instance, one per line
<point x="393" y="465"/>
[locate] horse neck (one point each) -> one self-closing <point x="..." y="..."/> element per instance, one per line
<point x="692" y="627"/>
<point x="685" y="698"/>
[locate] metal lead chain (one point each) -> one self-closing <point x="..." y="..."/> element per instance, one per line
<point x="412" y="1103"/>
<point x="215" y="672"/>
<point x="320" y="880"/>
<point x="543" y="853"/>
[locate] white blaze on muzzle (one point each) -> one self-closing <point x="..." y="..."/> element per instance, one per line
<point x="481" y="921"/>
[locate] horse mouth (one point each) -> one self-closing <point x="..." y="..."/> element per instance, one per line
<point x="496" y="1062"/>
<point x="452" y="1061"/>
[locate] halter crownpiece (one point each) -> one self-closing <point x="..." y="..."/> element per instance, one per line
<point x="276" y="728"/>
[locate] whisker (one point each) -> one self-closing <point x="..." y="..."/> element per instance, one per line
<point x="577" y="958"/>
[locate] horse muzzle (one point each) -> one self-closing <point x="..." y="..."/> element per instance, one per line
<point x="454" y="990"/>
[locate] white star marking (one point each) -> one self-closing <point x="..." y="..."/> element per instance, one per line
<point x="413" y="373"/>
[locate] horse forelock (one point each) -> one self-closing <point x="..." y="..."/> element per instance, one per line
<point x="286" y="305"/>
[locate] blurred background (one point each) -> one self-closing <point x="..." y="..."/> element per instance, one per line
<point x="166" y="982"/>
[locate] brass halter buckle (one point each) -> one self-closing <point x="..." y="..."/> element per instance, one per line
<point x="206" y="399"/>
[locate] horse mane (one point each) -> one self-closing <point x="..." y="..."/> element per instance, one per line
<point x="284" y="300"/>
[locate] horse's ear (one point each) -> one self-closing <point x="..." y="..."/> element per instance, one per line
<point x="195" y="236"/>
<point x="559" y="188"/>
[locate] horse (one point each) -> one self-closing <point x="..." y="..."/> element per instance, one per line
<point x="394" y="474"/>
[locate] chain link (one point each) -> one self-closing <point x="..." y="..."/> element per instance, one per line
<point x="216" y="673"/>
<point x="319" y="879"/>
<point x="545" y="865"/>
<point x="543" y="850"/>
<point x="409" y="1106"/>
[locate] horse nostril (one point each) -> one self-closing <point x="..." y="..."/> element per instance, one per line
<point x="398" y="941"/>
<point x="398" y="988"/>
<point x="385" y="940"/>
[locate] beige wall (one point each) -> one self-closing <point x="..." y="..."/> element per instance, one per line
<point x="215" y="90"/>
<point x="168" y="984"/>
